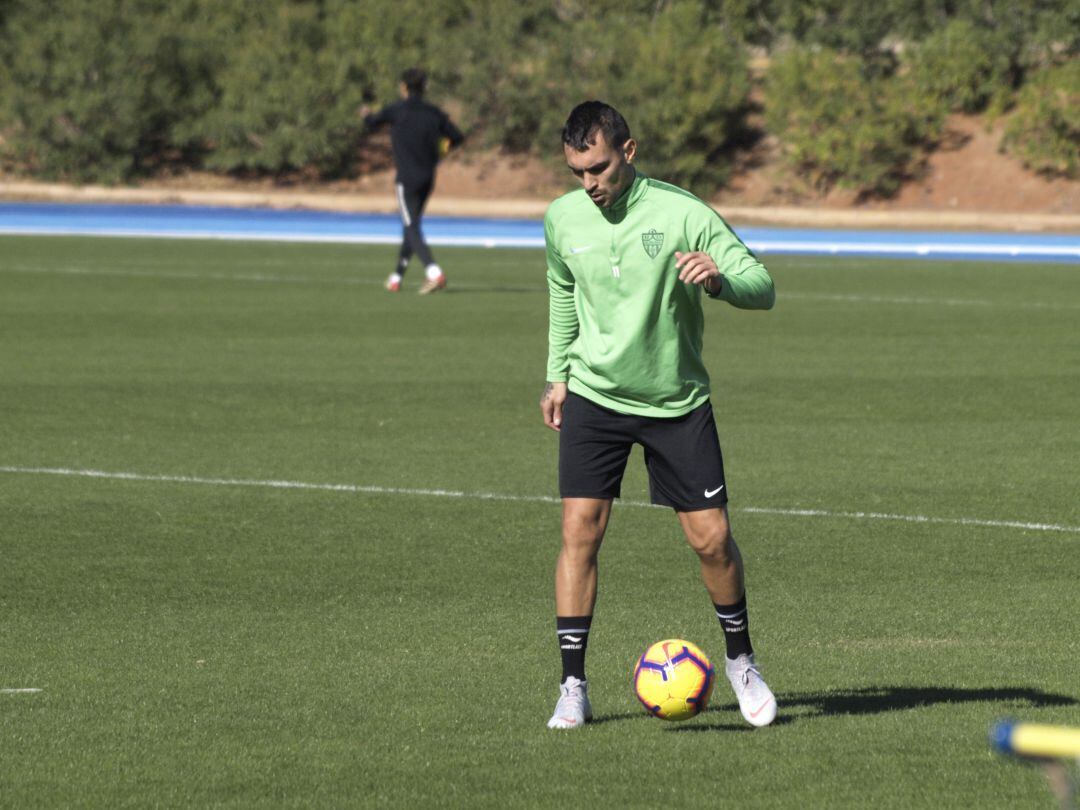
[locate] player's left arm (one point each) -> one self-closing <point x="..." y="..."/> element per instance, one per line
<point x="724" y="266"/>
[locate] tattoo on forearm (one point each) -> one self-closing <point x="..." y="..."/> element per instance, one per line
<point x="547" y="392"/>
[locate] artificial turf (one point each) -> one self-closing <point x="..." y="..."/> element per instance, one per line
<point x="206" y="642"/>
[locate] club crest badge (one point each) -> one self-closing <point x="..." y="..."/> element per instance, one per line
<point x="652" y="240"/>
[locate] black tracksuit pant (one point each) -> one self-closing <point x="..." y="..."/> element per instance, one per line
<point x="411" y="202"/>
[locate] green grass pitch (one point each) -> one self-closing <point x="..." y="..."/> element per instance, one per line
<point x="212" y="644"/>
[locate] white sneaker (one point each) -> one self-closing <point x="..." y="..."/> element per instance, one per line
<point x="756" y="701"/>
<point x="433" y="284"/>
<point x="573" y="708"/>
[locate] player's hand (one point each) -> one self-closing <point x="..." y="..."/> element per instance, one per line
<point x="364" y="111"/>
<point x="697" y="268"/>
<point x="551" y="404"/>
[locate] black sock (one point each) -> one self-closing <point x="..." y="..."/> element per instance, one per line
<point x="573" y="632"/>
<point x="736" y="628"/>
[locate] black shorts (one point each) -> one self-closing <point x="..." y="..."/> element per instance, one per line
<point x="682" y="454"/>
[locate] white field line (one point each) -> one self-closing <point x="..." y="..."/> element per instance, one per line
<point x="922" y="302"/>
<point x="274" y="278"/>
<point x="252" y="278"/>
<point x="495" y="496"/>
<point x="172" y="275"/>
<point x="27" y="691"/>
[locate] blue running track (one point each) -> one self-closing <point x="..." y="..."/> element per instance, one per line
<point x="202" y="222"/>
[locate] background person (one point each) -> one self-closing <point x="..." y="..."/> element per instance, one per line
<point x="420" y="134"/>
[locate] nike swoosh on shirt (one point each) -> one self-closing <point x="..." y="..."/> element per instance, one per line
<point x="710" y="493"/>
<point x="574" y="251"/>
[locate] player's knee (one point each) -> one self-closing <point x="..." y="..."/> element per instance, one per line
<point x="582" y="533"/>
<point x="713" y="544"/>
<point x="581" y="549"/>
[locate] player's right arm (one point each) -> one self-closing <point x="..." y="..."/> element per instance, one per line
<point x="562" y="328"/>
<point x="377" y="119"/>
<point x="551" y="404"/>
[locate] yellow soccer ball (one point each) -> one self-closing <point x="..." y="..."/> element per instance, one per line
<point x="673" y="679"/>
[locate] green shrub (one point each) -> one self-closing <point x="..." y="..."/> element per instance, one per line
<point x="1044" y="130"/>
<point x="687" y="97"/>
<point x="297" y="72"/>
<point x="89" y="89"/>
<point x="502" y="73"/>
<point x="282" y="101"/>
<point x="848" y="26"/>
<point x="111" y="89"/>
<point x="1034" y="34"/>
<point x="841" y="127"/>
<point x="684" y="97"/>
<point x="372" y="42"/>
<point x="963" y="65"/>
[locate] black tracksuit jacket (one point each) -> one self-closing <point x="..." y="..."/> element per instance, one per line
<point x="415" y="130"/>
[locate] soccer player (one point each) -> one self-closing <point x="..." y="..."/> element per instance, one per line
<point x="420" y="134"/>
<point x="628" y="259"/>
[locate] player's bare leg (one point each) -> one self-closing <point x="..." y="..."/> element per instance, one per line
<point x="584" y="522"/>
<point x="709" y="534"/>
<point x="576" y="572"/>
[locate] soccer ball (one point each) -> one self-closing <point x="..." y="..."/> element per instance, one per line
<point x="673" y="679"/>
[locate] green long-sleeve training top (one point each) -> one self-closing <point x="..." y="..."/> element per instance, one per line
<point x="624" y="332"/>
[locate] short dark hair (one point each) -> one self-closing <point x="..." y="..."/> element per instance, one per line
<point x="415" y="80"/>
<point x="591" y="117"/>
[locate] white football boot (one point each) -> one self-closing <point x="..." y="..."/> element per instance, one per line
<point x="756" y="700"/>
<point x="435" y="281"/>
<point x="573" y="709"/>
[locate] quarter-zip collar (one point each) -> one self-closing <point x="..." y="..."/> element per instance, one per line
<point x="633" y="193"/>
